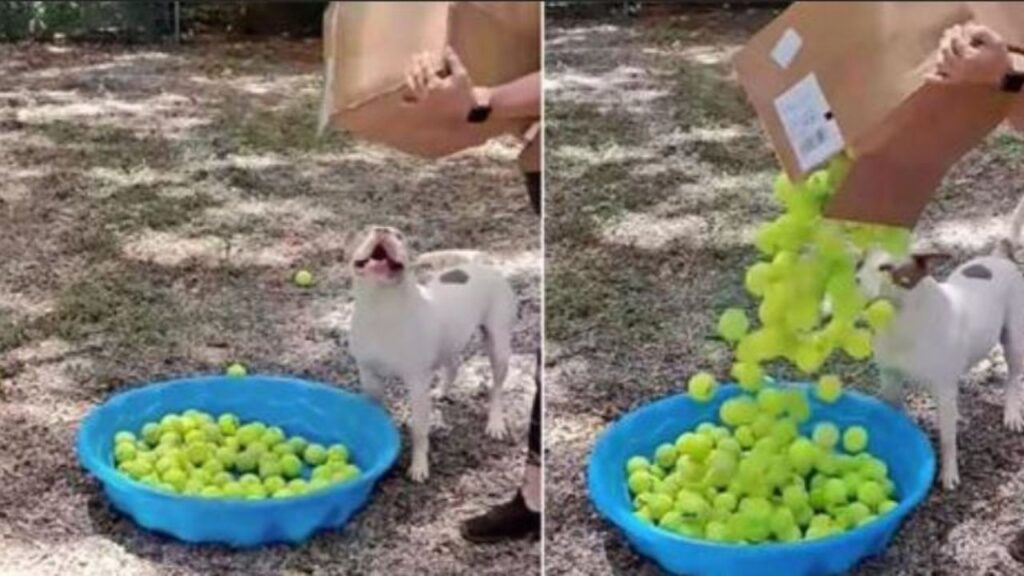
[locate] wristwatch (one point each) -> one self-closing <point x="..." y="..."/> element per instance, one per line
<point x="1013" y="80"/>
<point x="481" y="110"/>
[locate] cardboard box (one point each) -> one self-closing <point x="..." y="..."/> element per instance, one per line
<point x="831" y="76"/>
<point x="369" y="45"/>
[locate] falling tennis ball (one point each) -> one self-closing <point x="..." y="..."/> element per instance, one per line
<point x="236" y="370"/>
<point x="738" y="411"/>
<point x="858" y="344"/>
<point x="701" y="386"/>
<point x="828" y="389"/>
<point x="855" y="439"/>
<point x="749" y="376"/>
<point x="303" y="279"/>
<point x="879" y="314"/>
<point x="826" y="435"/>
<point x="733" y="324"/>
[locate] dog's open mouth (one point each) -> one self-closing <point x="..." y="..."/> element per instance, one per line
<point x="380" y="256"/>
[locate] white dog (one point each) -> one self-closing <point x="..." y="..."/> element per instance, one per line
<point x="403" y="329"/>
<point x="941" y="330"/>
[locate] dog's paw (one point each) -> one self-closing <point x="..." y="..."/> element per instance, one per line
<point x="950" y="477"/>
<point x="1013" y="420"/>
<point x="497" y="429"/>
<point x="419" y="472"/>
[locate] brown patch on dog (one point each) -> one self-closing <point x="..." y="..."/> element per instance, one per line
<point x="978" y="272"/>
<point x="455" y="276"/>
<point x="907" y="275"/>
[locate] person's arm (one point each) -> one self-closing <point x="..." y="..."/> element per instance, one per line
<point x="518" y="99"/>
<point x="454" y="97"/>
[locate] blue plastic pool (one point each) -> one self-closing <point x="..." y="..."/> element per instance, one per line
<point x="319" y="412"/>
<point x="894" y="439"/>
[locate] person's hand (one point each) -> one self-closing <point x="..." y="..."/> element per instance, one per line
<point x="448" y="92"/>
<point x="971" y="54"/>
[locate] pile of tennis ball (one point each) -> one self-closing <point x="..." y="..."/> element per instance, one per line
<point x="752" y="477"/>
<point x="197" y="454"/>
<point x="809" y="302"/>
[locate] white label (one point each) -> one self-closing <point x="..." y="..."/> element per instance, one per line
<point x="786" y="48"/>
<point x="807" y="119"/>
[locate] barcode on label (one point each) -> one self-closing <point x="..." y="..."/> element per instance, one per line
<point x="812" y="141"/>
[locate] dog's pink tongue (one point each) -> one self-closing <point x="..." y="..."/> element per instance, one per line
<point x="378" y="267"/>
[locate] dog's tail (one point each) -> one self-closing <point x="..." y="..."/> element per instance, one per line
<point x="1008" y="244"/>
<point x="446" y="258"/>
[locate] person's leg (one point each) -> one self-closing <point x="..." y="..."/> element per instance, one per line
<point x="520" y="516"/>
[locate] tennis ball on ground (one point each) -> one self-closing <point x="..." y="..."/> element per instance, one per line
<point x="303" y="279"/>
<point x="236" y="370"/>
<point x="829" y="388"/>
<point x="314" y="454"/>
<point x="733" y="324"/>
<point x="855" y="439"/>
<point x="701" y="386"/>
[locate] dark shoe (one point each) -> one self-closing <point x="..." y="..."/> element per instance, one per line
<point x="1016" y="547"/>
<point x="508" y="521"/>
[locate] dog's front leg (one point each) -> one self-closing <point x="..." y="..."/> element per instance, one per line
<point x="419" y="394"/>
<point x="891" y="389"/>
<point x="371" y="382"/>
<point x="1012" y="417"/>
<point x="946" y="397"/>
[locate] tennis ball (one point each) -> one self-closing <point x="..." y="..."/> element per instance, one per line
<point x="151" y="433"/>
<point x="195" y="437"/>
<point x="748" y="375"/>
<point x="637" y="463"/>
<point x="124" y="436"/>
<point x="738" y="411"/>
<point x="826" y="435"/>
<point x="228" y="424"/>
<point x="879" y="314"/>
<point x="246" y="461"/>
<point x="303" y="279"/>
<point x="290" y="465"/>
<point x="124" y="452"/>
<point x="802" y="455"/>
<point x="771" y="401"/>
<point x="855" y="439"/>
<point x="236" y="370"/>
<point x="886" y="506"/>
<point x="733" y="324"/>
<point x="835" y="492"/>
<point x="725" y="502"/>
<point x="797" y="406"/>
<point x="255" y="492"/>
<point x="273" y="483"/>
<point x="298" y="444"/>
<point x="731" y="445"/>
<point x="691" y="506"/>
<point x="269" y="466"/>
<point x="758" y="278"/>
<point x="249" y="480"/>
<point x="762" y="425"/>
<point x="696" y="446"/>
<point x="337" y="453"/>
<point x="315" y="454"/>
<point x="870" y="493"/>
<point x="857" y="344"/>
<point x="665" y="455"/>
<point x="639" y="482"/>
<point x="701" y="386"/>
<point x="784" y="431"/>
<point x="829" y="388"/>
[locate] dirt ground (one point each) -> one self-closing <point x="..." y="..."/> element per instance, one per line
<point x="657" y="176"/>
<point x="153" y="206"/>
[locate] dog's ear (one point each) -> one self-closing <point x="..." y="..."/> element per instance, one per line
<point x="350" y="241"/>
<point x="926" y="260"/>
